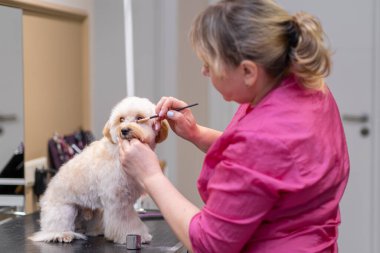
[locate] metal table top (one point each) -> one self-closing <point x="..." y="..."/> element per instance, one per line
<point x="14" y="235"/>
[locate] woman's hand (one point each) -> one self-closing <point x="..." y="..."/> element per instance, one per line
<point x="182" y="123"/>
<point x="138" y="160"/>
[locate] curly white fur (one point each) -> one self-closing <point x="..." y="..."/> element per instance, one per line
<point x="91" y="192"/>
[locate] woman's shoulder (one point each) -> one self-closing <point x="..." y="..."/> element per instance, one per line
<point x="289" y="108"/>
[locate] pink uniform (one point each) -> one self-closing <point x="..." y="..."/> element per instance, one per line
<point x="273" y="181"/>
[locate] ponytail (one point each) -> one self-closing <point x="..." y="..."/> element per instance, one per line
<point x="309" y="59"/>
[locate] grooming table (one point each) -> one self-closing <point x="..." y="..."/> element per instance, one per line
<point x="14" y="233"/>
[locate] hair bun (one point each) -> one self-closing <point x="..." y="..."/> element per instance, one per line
<point x="293" y="33"/>
<point x="310" y="60"/>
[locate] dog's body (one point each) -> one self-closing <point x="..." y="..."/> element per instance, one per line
<point x="91" y="191"/>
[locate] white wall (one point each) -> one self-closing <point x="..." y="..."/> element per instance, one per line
<point x="108" y="70"/>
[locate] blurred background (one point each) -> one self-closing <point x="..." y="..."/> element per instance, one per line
<point x="65" y="63"/>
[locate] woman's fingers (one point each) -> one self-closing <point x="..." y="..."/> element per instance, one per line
<point x="157" y="125"/>
<point x="166" y="104"/>
<point x="126" y="148"/>
<point x="159" y="104"/>
<point x="173" y="115"/>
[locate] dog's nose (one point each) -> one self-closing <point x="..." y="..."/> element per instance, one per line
<point x="125" y="131"/>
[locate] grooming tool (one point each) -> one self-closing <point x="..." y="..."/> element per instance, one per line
<point x="155" y="116"/>
<point x="133" y="242"/>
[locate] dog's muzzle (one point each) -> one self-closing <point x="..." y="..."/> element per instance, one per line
<point x="132" y="131"/>
<point x="126" y="133"/>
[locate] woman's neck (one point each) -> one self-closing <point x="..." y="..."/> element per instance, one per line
<point x="265" y="84"/>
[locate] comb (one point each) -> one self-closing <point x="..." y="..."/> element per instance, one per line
<point x="156" y="116"/>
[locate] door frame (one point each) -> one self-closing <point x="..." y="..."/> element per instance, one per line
<point x="46" y="8"/>
<point x="376" y="131"/>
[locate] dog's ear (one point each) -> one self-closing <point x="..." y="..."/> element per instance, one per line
<point x="163" y="133"/>
<point x="107" y="132"/>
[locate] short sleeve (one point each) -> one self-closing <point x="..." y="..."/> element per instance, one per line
<point x="245" y="186"/>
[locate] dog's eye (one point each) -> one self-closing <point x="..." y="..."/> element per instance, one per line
<point x="122" y="119"/>
<point x="139" y="117"/>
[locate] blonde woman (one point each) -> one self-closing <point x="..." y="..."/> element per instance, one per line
<point x="272" y="181"/>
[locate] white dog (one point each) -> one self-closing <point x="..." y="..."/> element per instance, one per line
<point x="92" y="191"/>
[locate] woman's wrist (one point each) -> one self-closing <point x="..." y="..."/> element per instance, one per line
<point x="195" y="134"/>
<point x="204" y="137"/>
<point x="153" y="180"/>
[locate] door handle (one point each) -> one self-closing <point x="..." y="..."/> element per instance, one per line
<point x="9" y="117"/>
<point x="356" y="118"/>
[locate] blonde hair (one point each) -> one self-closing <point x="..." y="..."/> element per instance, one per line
<point x="231" y="31"/>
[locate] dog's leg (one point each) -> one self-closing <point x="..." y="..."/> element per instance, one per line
<point x="123" y="220"/>
<point x="57" y="224"/>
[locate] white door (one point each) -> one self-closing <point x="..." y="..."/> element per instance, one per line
<point x="350" y="27"/>
<point x="11" y="83"/>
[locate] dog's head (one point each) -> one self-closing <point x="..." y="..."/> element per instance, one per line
<point x="122" y="122"/>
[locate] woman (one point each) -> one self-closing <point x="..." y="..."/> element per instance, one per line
<point x="272" y="181"/>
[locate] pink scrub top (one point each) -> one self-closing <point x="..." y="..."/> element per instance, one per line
<point x="273" y="181"/>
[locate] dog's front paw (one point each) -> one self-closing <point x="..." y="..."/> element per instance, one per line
<point x="66" y="237"/>
<point x="146" y="238"/>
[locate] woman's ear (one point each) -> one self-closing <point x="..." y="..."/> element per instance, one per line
<point x="250" y="72"/>
<point x="163" y="132"/>
<point x="107" y="132"/>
